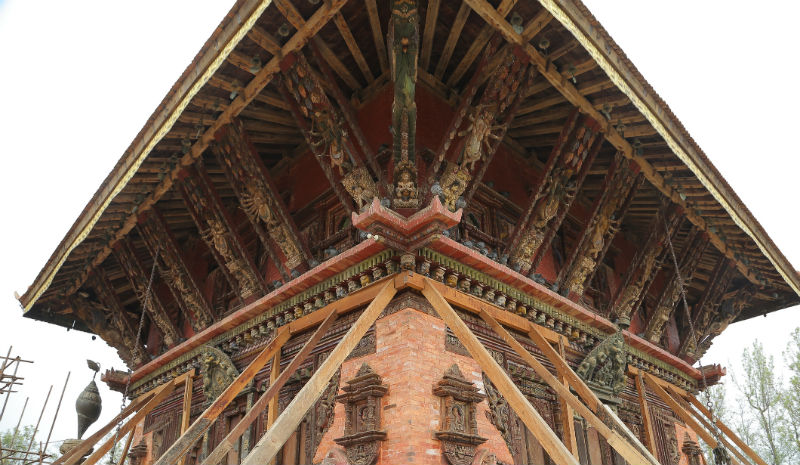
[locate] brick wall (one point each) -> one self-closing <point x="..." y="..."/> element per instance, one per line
<point x="411" y="358"/>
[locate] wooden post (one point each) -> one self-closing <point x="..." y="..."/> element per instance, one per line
<point x="207" y="418"/>
<point x="186" y="411"/>
<point x="679" y="410"/>
<point x="727" y="431"/>
<point x="537" y="426"/>
<point x="271" y="394"/>
<point x="162" y="394"/>
<point x="585" y="393"/>
<point x="272" y="410"/>
<point x="567" y="416"/>
<point x="89" y="442"/>
<point x="709" y="428"/>
<point x="272" y="441"/>
<point x="126" y="448"/>
<point x="647" y="422"/>
<point x="629" y="452"/>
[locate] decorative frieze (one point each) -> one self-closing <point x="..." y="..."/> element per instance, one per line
<point x="218" y="372"/>
<point x="604" y="368"/>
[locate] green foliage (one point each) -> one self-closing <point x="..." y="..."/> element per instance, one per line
<point x="19" y="443"/>
<point x="791" y="398"/>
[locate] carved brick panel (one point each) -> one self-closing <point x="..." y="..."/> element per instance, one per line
<point x="362" y="404"/>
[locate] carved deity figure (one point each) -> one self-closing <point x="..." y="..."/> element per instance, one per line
<point x="257" y="203"/>
<point x="454" y="182"/>
<point x="405" y="188"/>
<point x="479" y="133"/>
<point x="546" y="210"/>
<point x="360" y="186"/>
<point x="404" y="44"/>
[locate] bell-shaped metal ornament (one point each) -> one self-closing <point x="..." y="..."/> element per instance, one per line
<point x="721" y="456"/>
<point x="89" y="405"/>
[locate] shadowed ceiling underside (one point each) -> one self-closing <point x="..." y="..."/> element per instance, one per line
<point x="346" y="49"/>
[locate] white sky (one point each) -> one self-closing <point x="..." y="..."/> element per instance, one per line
<point x="79" y="79"/>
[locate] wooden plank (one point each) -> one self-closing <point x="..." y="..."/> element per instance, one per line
<point x="207" y="418"/>
<point x="627" y="450"/>
<point x="431" y="15"/>
<point x="265" y="40"/>
<point x="709" y="428"/>
<point x="567" y="418"/>
<point x="647" y="422"/>
<point x="272" y="412"/>
<point x="352" y="45"/>
<point x="160" y="396"/>
<point x="126" y="448"/>
<point x="89" y="442"/>
<point x="679" y="410"/>
<point x="452" y="39"/>
<point x="218" y="454"/>
<point x="186" y="408"/>
<point x="724" y="428"/>
<point x="377" y="34"/>
<point x="270" y="444"/>
<point x="535" y="423"/>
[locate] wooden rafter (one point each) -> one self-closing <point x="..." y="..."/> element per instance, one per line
<point x="151" y="303"/>
<point x="431" y="15"/>
<point x="252" y="90"/>
<point x="377" y="34"/>
<point x="572" y="94"/>
<point x="352" y="45"/>
<point x="174" y="271"/>
<point x="452" y="39"/>
<point x="258" y="194"/>
<point x="217" y="230"/>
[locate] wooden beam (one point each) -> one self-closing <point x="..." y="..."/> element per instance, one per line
<point x="574" y="96"/>
<point x="352" y="45"/>
<point x="126" y="448"/>
<point x="709" y="428"/>
<point x="157" y="398"/>
<point x="516" y="400"/>
<point x="272" y="409"/>
<point x="477" y="45"/>
<point x="207" y="418"/>
<point x="431" y="15"/>
<point x="252" y="90"/>
<point x="377" y="34"/>
<point x="270" y="444"/>
<point x="620" y="444"/>
<point x="567" y="413"/>
<point x="265" y="40"/>
<point x="452" y="39"/>
<point x="226" y="444"/>
<point x="647" y="422"/>
<point x="724" y="428"/>
<point x="140" y="282"/>
<point x="679" y="410"/>
<point x="87" y="444"/>
<point x="164" y="249"/>
<point x="186" y="408"/>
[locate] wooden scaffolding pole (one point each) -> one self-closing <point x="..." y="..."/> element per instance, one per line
<point x="275" y="386"/>
<point x="742" y="459"/>
<point x="186" y="410"/>
<point x="727" y="431"/>
<point x="567" y="413"/>
<point x="272" y="441"/>
<point x="207" y="418"/>
<point x="535" y="423"/>
<point x="629" y="452"/>
<point x="647" y="422"/>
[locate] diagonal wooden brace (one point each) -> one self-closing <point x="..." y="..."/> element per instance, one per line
<point x="630" y="453"/>
<point x="535" y="423"/>
<point x="229" y="441"/>
<point x="272" y="441"/>
<point x="207" y="418"/>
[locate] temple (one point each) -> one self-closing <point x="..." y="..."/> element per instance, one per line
<point x="398" y="231"/>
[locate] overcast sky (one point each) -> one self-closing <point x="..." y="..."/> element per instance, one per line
<point x="79" y="80"/>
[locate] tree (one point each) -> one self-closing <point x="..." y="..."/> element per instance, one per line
<point x="17" y="443"/>
<point x="763" y="394"/>
<point x="791" y="397"/>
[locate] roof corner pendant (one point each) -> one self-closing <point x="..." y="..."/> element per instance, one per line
<point x="403" y="41"/>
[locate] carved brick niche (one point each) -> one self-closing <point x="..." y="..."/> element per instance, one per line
<point x="362" y="421"/>
<point x="458" y="425"/>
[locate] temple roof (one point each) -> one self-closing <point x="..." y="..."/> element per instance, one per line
<point x="579" y="65"/>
